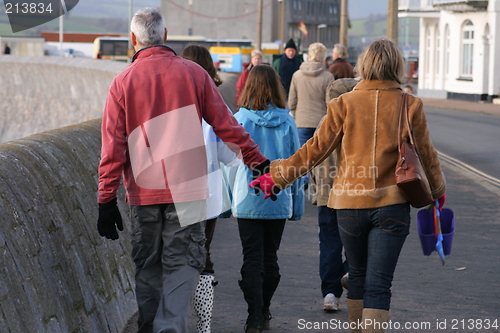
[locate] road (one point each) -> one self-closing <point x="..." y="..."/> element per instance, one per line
<point x="461" y="296"/>
<point x="473" y="138"/>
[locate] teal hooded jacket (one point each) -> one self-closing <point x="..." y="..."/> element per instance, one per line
<point x="275" y="132"/>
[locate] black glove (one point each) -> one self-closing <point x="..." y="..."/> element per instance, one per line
<point x="258" y="171"/>
<point x="262" y="169"/>
<point x="109" y="215"/>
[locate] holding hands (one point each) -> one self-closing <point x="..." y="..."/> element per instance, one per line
<point x="265" y="183"/>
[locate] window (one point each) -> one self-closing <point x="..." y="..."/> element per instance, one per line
<point x="447" y="50"/>
<point x="427" y="50"/>
<point x="438" y="47"/>
<point x="467" y="49"/>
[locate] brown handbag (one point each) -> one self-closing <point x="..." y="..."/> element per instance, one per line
<point x="410" y="175"/>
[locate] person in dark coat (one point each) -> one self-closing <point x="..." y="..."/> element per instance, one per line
<point x="287" y="64"/>
<point x="340" y="68"/>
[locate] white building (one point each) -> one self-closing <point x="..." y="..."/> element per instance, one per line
<point x="459" y="55"/>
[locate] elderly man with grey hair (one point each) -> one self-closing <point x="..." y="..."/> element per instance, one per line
<point x="152" y="134"/>
<point x="340" y="68"/>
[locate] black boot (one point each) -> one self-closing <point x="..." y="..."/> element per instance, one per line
<point x="269" y="286"/>
<point x="252" y="291"/>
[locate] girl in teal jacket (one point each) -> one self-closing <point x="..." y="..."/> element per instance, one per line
<point x="261" y="222"/>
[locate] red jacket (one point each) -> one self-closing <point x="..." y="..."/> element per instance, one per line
<point x="240" y="84"/>
<point x="242" y="80"/>
<point x="151" y="130"/>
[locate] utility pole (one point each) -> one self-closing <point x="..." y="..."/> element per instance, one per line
<point x="130" y="50"/>
<point x="281" y="24"/>
<point x="258" y="43"/>
<point x="344" y="23"/>
<point x="392" y="21"/>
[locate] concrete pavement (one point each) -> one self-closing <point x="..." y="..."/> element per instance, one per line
<point x="451" y="104"/>
<point x="461" y="296"/>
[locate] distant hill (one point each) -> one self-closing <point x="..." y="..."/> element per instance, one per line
<point x="110" y="8"/>
<point x="362" y="8"/>
<point x="107" y="16"/>
<point x="375" y="26"/>
<point x="71" y="24"/>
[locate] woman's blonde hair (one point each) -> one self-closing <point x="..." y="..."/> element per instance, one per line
<point x="381" y="60"/>
<point x="200" y="55"/>
<point x="263" y="88"/>
<point x="316" y="52"/>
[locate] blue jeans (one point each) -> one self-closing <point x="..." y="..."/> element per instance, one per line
<point x="331" y="267"/>
<point x="305" y="133"/>
<point x="373" y="239"/>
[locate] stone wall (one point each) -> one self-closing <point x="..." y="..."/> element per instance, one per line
<point x="43" y="93"/>
<point x="57" y="275"/>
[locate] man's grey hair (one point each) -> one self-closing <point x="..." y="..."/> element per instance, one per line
<point x="148" y="26"/>
<point x="341" y="51"/>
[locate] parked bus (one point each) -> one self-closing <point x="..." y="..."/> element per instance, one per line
<point x="116" y="48"/>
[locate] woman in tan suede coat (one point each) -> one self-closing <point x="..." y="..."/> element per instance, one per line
<point x="373" y="215"/>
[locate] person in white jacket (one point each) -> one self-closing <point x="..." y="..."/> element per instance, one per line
<point x="218" y="200"/>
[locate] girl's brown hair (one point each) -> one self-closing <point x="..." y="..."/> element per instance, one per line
<point x="262" y="88"/>
<point x="381" y="60"/>
<point x="200" y="55"/>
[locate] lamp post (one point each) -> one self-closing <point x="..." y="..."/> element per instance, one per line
<point x="258" y="42"/>
<point x="130" y="51"/>
<point x="320" y="26"/>
<point x="190" y="30"/>
<point x="344" y="23"/>
<point x="392" y="21"/>
<point x="281" y="24"/>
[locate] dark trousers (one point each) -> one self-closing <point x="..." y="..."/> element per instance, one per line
<point x="373" y="239"/>
<point x="331" y="266"/>
<point x="260" y="240"/>
<point x="260" y="276"/>
<point x="168" y="260"/>
<point x="209" y="234"/>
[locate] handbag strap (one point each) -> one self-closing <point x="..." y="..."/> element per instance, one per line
<point x="403" y="113"/>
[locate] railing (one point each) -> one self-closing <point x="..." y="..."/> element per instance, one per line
<point x="431" y="5"/>
<point x="445" y="2"/>
<point x="409" y="4"/>
<point x="461" y="6"/>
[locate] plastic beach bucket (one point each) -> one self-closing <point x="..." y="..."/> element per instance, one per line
<point x="425" y="228"/>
